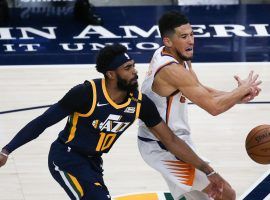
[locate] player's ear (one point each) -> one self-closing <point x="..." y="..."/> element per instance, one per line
<point x="110" y="74"/>
<point x="167" y="42"/>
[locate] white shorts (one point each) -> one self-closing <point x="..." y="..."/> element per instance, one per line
<point x="180" y="176"/>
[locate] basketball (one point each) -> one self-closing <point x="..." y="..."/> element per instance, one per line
<point x="258" y="144"/>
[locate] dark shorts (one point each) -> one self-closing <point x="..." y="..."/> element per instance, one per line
<point x="80" y="176"/>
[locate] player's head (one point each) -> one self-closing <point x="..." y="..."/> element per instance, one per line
<point x="114" y="62"/>
<point x="177" y="34"/>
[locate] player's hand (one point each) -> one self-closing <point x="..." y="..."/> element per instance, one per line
<point x="3" y="159"/>
<point x="252" y="83"/>
<point x="216" y="186"/>
<point x="250" y="97"/>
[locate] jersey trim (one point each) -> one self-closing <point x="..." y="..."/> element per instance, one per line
<point x="72" y="184"/>
<point x="108" y="98"/>
<point x="73" y="128"/>
<point x="76" y="185"/>
<point x="174" y="93"/>
<point x="163" y="53"/>
<point x="168" y="109"/>
<point x="94" y="101"/>
<point x="138" y="108"/>
<point x="76" y="115"/>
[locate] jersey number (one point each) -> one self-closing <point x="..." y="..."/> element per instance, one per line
<point x="105" y="141"/>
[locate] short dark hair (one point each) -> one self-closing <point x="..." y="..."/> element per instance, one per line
<point x="169" y="21"/>
<point x="107" y="54"/>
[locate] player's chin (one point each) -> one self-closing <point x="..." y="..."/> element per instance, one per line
<point x="134" y="81"/>
<point x="134" y="84"/>
<point x="189" y="55"/>
<point x="187" y="58"/>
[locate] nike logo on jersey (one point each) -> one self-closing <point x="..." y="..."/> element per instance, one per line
<point x="101" y="104"/>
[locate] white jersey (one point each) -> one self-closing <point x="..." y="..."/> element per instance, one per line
<point x="182" y="178"/>
<point x="173" y="109"/>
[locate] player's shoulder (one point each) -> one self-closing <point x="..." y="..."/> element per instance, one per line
<point x="97" y="81"/>
<point x="171" y="69"/>
<point x="146" y="100"/>
<point x="82" y="88"/>
<point x="93" y="83"/>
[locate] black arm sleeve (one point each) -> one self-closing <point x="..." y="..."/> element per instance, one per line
<point x="149" y="113"/>
<point x="34" y="128"/>
<point x="79" y="98"/>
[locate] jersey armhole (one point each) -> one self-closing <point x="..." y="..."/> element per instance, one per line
<point x="94" y="101"/>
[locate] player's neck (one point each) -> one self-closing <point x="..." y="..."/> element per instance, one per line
<point x="174" y="54"/>
<point x="117" y="95"/>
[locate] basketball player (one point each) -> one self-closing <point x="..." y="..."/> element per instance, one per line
<point x="99" y="111"/>
<point x="170" y="81"/>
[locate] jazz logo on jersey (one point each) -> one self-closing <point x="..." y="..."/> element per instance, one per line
<point x="111" y="124"/>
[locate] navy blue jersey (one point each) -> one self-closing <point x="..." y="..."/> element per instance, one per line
<point x="97" y="130"/>
<point x="95" y="122"/>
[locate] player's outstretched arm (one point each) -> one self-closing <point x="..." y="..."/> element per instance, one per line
<point x="175" y="77"/>
<point x="212" y="91"/>
<point x="33" y="129"/>
<point x="255" y="90"/>
<point x="217" y="93"/>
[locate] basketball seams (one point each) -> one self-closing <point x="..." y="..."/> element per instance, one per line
<point x="258" y="144"/>
<point x="259" y="155"/>
<point x="261" y="159"/>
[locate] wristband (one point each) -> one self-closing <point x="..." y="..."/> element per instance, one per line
<point x="4" y="154"/>
<point x="211" y="173"/>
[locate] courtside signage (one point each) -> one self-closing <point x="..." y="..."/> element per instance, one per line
<point x="67" y="42"/>
<point x="123" y="35"/>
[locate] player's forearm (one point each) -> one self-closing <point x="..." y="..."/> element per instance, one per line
<point x="229" y="99"/>
<point x="214" y="92"/>
<point x="178" y="147"/>
<point x="31" y="131"/>
<point x="182" y="151"/>
<point x="34" y="128"/>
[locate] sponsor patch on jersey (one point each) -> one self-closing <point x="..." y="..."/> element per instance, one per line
<point x="130" y="110"/>
<point x="145" y="196"/>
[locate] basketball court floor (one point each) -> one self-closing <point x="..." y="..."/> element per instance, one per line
<point x="221" y="139"/>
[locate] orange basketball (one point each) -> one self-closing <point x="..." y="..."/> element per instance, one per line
<point x="258" y="144"/>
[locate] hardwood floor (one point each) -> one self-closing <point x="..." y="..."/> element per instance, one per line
<point x="221" y="139"/>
